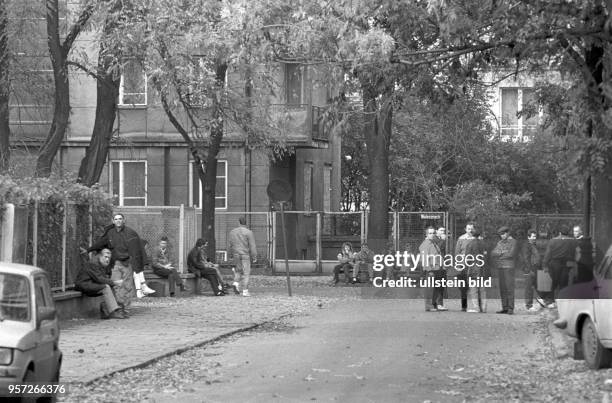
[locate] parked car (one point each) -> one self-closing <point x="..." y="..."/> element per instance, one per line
<point x="585" y="312"/>
<point x="29" y="327"/>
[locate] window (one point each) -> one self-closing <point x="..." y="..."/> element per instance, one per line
<point x="133" y="85"/>
<point x="129" y="182"/>
<point x="294" y="84"/>
<point x="43" y="293"/>
<point x="513" y="126"/>
<point x="195" y="187"/>
<point x="221" y="256"/>
<point x="308" y="173"/>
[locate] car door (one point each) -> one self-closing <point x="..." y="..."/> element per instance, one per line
<point x="602" y="306"/>
<point x="47" y="333"/>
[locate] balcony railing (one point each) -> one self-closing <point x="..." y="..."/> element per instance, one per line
<point x="301" y="121"/>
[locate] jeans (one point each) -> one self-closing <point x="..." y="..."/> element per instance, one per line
<point x="125" y="292"/>
<point x="172" y="275"/>
<point x="344" y="267"/>
<point x="506" y="288"/>
<point x="531" y="283"/>
<point x="438" y="292"/>
<point x="243" y="270"/>
<point x="559" y="272"/>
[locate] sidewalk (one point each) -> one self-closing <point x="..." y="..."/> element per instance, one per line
<point x="159" y="327"/>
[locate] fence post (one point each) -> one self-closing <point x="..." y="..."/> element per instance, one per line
<point x="395" y="231"/>
<point x="181" y="245"/>
<point x="64" y="231"/>
<point x="273" y="241"/>
<point x="318" y="244"/>
<point x="364" y="231"/>
<point x="35" y="235"/>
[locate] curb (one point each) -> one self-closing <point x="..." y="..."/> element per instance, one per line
<point x="185" y="348"/>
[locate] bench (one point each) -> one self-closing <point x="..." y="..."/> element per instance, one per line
<point x="161" y="285"/>
<point x="72" y="304"/>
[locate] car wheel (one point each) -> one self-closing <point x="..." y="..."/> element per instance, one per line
<point x="595" y="355"/>
<point x="29" y="377"/>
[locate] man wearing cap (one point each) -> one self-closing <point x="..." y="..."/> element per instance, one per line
<point x="503" y="256"/>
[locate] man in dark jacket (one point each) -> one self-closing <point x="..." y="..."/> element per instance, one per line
<point x="128" y="257"/>
<point x="94" y="278"/>
<point x="201" y="268"/>
<point x="560" y="251"/>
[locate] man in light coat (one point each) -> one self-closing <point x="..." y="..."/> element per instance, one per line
<point x="244" y="251"/>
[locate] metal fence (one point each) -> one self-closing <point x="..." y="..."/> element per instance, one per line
<point x="50" y="234"/>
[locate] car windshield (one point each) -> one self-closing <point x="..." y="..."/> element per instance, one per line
<point x="14" y="298"/>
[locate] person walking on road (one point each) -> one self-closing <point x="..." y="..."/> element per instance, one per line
<point x="243" y="250"/>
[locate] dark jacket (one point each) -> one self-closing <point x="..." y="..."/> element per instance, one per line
<point x="504" y="253"/>
<point x="124" y="244"/>
<point x="561" y="249"/>
<point x="92" y="278"/>
<point x="196" y="264"/>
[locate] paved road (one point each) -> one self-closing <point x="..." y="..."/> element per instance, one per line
<point x="367" y="350"/>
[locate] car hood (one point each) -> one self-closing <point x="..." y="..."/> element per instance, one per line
<point x="19" y="335"/>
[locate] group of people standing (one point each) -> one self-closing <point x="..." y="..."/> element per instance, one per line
<point x="116" y="269"/>
<point x="563" y="255"/>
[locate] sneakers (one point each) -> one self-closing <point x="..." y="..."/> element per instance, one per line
<point x="245" y="293"/>
<point x="139" y="293"/>
<point x="472" y="311"/>
<point x="551" y="306"/>
<point x="533" y="309"/>
<point x="146" y="290"/>
<point x="502" y="311"/>
<point x="235" y="286"/>
<point x="442" y="308"/>
<point x="117" y="314"/>
<point x="541" y="302"/>
<point x="431" y="309"/>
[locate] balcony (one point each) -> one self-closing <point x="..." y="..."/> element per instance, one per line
<point x="303" y="125"/>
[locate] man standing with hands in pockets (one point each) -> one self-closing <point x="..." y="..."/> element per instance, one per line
<point x="243" y="250"/>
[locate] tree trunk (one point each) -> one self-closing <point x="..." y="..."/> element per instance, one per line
<point x="378" y="115"/>
<point x="106" y="110"/>
<point x="5" y="131"/>
<point x="58" y="52"/>
<point x="209" y="177"/>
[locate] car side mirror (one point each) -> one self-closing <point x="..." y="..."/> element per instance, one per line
<point x="44" y="313"/>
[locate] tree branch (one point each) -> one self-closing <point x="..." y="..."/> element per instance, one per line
<point x="77" y="27"/>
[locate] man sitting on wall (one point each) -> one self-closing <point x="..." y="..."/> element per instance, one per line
<point x="201" y="268"/>
<point x="94" y="278"/>
<point x="162" y="266"/>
